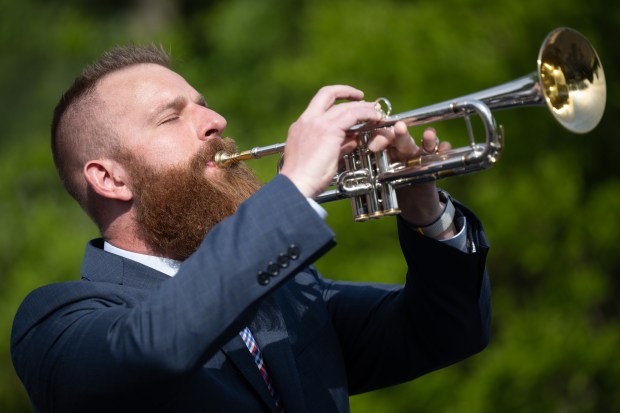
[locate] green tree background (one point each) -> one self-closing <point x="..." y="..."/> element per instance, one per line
<point x="550" y="206"/>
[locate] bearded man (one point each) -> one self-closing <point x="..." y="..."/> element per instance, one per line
<point x="201" y="295"/>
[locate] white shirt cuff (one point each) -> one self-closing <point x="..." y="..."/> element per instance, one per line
<point x="318" y="208"/>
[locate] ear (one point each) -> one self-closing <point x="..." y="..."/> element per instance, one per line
<point x="107" y="178"/>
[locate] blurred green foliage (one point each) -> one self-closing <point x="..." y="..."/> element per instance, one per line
<point x="550" y="206"/>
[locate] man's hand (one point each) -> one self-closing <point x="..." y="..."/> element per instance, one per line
<point x="317" y="140"/>
<point x="419" y="203"/>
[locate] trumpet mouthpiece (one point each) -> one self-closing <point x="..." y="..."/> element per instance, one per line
<point x="223" y="159"/>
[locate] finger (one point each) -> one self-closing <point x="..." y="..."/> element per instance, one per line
<point x="381" y="139"/>
<point x="444" y="146"/>
<point x="348" y="114"/>
<point x="430" y="141"/>
<point x="403" y="141"/>
<point x="348" y="146"/>
<point x="396" y="136"/>
<point x="328" y="95"/>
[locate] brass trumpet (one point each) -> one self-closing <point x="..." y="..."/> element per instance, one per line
<point x="569" y="80"/>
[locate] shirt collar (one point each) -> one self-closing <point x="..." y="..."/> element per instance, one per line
<point x="166" y="265"/>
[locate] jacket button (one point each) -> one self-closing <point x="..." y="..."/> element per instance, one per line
<point x="263" y="278"/>
<point x="283" y="260"/>
<point x="293" y="252"/>
<point x="273" y="269"/>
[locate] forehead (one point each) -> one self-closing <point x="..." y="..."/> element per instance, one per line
<point x="140" y="87"/>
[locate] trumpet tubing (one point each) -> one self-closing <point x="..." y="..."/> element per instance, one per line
<point x="569" y="80"/>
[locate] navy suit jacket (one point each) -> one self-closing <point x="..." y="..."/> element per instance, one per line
<point x="128" y="338"/>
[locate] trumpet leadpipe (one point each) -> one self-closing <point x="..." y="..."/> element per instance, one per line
<point x="224" y="159"/>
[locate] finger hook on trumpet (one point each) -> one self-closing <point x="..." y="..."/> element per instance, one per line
<point x="383" y="106"/>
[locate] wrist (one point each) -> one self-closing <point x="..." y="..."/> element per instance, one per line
<point x="442" y="226"/>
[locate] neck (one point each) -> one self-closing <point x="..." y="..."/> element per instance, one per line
<point x="123" y="232"/>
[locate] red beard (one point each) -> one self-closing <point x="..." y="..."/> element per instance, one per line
<point x="176" y="208"/>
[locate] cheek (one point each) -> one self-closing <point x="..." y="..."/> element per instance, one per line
<point x="166" y="151"/>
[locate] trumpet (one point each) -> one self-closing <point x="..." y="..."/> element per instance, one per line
<point x="569" y="81"/>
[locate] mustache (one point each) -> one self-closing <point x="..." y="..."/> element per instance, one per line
<point x="207" y="153"/>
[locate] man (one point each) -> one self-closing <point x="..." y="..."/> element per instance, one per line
<point x="166" y="318"/>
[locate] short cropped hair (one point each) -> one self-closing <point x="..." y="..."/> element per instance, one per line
<point x="79" y="130"/>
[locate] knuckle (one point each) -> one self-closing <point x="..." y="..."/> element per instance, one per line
<point x="326" y="89"/>
<point x="294" y="127"/>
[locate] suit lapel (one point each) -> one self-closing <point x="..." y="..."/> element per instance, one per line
<point x="239" y="354"/>
<point x="269" y="329"/>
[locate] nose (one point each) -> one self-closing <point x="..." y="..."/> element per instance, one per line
<point x="212" y="124"/>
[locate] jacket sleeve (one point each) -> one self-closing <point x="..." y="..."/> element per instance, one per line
<point x="102" y="338"/>
<point x="394" y="333"/>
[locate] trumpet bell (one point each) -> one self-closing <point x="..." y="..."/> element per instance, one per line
<point x="572" y="80"/>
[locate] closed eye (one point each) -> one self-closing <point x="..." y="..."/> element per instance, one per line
<point x="169" y="119"/>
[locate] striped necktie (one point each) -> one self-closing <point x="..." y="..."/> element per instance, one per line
<point x="249" y="341"/>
